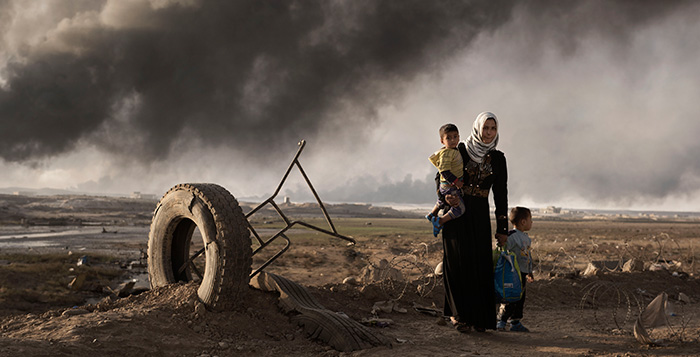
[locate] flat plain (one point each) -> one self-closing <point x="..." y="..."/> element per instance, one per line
<point x="581" y="302"/>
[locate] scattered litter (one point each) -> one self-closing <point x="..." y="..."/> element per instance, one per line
<point x="387" y="307"/>
<point x="684" y="298"/>
<point x="432" y="311"/>
<point x="83" y="260"/>
<point x="77" y="282"/>
<point x="665" y="265"/>
<point x="597" y="267"/>
<point x="654" y="315"/>
<point x="633" y="265"/>
<point x="375" y="321"/>
<point x="438" y="269"/>
<point x="401" y="340"/>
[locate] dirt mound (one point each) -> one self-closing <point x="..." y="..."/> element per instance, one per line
<point x="170" y="321"/>
<point x="163" y="321"/>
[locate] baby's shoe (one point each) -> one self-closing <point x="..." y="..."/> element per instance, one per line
<point x="436" y="224"/>
<point x="501" y="325"/>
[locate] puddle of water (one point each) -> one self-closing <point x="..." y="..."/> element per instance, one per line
<point x="20" y="243"/>
<point x="50" y="234"/>
<point x="13" y="237"/>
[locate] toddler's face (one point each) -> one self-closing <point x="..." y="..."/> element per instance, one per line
<point x="450" y="140"/>
<point x="527" y="223"/>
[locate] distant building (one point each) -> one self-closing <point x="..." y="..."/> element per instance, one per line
<point x="286" y="200"/>
<point x="552" y="209"/>
<point x="23" y="193"/>
<point x="142" y="196"/>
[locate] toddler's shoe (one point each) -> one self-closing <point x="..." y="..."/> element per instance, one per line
<point x="501" y="325"/>
<point x="436" y="224"/>
<point x="519" y="328"/>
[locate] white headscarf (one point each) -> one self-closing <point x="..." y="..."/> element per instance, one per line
<point x="475" y="147"/>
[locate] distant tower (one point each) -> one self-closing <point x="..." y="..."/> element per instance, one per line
<point x="286" y="200"/>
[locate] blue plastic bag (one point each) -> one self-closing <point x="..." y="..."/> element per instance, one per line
<point x="506" y="275"/>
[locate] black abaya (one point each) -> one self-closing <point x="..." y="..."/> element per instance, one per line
<point x="467" y="260"/>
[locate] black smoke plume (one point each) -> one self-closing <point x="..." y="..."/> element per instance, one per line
<point x="234" y="73"/>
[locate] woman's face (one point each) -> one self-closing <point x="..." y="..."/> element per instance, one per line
<point x="489" y="131"/>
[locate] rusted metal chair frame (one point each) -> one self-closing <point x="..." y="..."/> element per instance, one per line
<point x="289" y="223"/>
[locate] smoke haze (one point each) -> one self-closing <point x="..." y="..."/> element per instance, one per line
<point x="595" y="99"/>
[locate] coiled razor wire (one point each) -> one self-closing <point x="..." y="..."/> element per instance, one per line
<point x="413" y="268"/>
<point x="601" y="294"/>
<point x="559" y="261"/>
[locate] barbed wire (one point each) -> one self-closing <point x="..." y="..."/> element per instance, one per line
<point x="414" y="269"/>
<point x="600" y="295"/>
<point x="556" y="260"/>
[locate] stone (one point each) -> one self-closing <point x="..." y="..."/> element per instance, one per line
<point x="351" y="280"/>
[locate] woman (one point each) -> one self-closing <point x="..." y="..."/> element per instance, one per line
<point x="467" y="260"/>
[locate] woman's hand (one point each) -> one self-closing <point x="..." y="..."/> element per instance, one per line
<point x="502" y="239"/>
<point x="452" y="200"/>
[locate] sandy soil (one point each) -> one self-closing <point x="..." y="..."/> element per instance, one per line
<point x="563" y="319"/>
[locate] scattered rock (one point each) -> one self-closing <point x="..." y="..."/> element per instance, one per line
<point x="136" y="264"/>
<point x="199" y="308"/>
<point x="125" y="289"/>
<point x="351" y="280"/>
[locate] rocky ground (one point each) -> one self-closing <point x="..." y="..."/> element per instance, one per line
<point x="568" y="313"/>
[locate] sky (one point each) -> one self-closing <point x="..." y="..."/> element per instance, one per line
<point x="596" y="100"/>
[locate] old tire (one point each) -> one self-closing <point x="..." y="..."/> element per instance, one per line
<point x="226" y="243"/>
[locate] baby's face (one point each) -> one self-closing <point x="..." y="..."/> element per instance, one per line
<point x="450" y="139"/>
